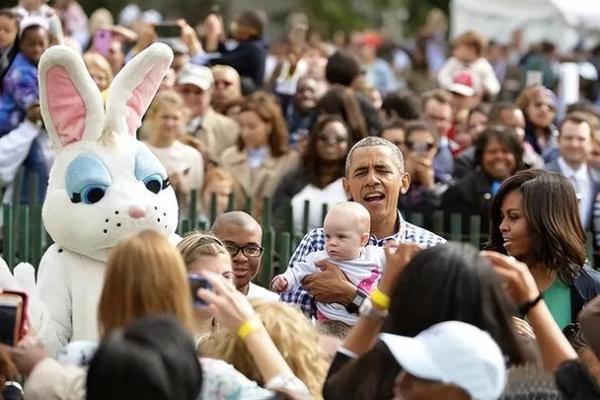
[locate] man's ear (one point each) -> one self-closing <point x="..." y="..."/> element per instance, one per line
<point x="346" y="185"/>
<point x="404" y="183"/>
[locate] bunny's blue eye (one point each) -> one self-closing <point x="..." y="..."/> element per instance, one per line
<point x="89" y="195"/>
<point x="150" y="171"/>
<point x="155" y="183"/>
<point x="87" y="179"/>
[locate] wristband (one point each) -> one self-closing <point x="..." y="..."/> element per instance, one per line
<point x="525" y="308"/>
<point x="380" y="299"/>
<point x="247" y="328"/>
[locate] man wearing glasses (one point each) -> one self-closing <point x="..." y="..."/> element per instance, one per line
<point x="242" y="235"/>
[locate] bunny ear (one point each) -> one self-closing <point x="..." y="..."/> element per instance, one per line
<point x="70" y="101"/>
<point x="134" y="87"/>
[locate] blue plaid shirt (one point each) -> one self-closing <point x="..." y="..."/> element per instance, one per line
<point x="315" y="241"/>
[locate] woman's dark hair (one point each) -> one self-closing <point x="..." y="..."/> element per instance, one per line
<point x="312" y="162"/>
<point x="550" y="207"/>
<point x="342" y="68"/>
<point x="340" y="100"/>
<point x="402" y="105"/>
<point x="505" y="136"/>
<point x="253" y="22"/>
<point x="152" y="359"/>
<point x="454" y="284"/>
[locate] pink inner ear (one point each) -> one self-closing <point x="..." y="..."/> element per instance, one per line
<point x="142" y="96"/>
<point x="65" y="104"/>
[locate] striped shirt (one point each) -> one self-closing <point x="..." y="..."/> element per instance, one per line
<point x="315" y="241"/>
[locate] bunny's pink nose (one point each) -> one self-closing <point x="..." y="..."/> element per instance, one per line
<point x="137" y="212"/>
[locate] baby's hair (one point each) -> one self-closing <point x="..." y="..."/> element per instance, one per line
<point x="354" y="212"/>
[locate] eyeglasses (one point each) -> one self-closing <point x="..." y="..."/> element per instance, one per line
<point x="323" y="137"/>
<point x="420" y="146"/>
<point x="249" y="250"/>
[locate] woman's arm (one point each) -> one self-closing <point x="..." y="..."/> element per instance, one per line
<point x="232" y="310"/>
<point x="521" y="286"/>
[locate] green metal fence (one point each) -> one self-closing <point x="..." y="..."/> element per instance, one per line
<point x="25" y="239"/>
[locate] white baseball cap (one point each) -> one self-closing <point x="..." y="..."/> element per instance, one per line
<point x="453" y="352"/>
<point x="197" y="75"/>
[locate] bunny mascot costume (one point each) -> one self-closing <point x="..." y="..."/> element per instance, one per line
<point x="104" y="185"/>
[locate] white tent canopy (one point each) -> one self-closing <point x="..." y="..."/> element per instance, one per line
<point x="562" y="22"/>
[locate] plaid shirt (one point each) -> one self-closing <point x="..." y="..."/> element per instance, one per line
<point x="315" y="241"/>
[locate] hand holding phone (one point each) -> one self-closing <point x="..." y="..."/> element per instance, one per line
<point x="198" y="282"/>
<point x="12" y="317"/>
<point x="101" y="41"/>
<point x="168" y="30"/>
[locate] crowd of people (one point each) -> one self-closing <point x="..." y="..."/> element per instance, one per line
<point x="370" y="305"/>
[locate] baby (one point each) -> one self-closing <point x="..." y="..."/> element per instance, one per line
<point x="346" y="229"/>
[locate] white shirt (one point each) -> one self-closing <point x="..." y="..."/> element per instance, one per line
<point x="259" y="292"/>
<point x="331" y="194"/>
<point x="363" y="271"/>
<point x="580" y="179"/>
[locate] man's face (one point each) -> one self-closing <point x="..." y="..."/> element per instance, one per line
<point x="196" y="99"/>
<point x="440" y="115"/>
<point x="227" y="86"/>
<point x="514" y="119"/>
<point x="575" y="142"/>
<point x="244" y="268"/>
<point x="305" y="98"/>
<point x="374" y="180"/>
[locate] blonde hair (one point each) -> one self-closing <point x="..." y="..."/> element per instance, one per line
<point x="92" y="59"/>
<point x="167" y="97"/>
<point x="196" y="244"/>
<point x="145" y="276"/>
<point x="294" y="337"/>
<point x="225" y="69"/>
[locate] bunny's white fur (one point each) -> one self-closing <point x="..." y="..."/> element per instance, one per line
<point x="98" y="153"/>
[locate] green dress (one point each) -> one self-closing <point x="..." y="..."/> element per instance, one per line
<point x="558" y="300"/>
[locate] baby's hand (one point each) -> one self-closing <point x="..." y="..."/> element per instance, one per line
<point x="279" y="284"/>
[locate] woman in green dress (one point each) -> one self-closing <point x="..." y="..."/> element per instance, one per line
<point x="535" y="218"/>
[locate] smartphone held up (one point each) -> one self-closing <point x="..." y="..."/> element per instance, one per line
<point x="12" y="317"/>
<point x="196" y="282"/>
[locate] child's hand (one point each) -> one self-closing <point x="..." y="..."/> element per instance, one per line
<point x="279" y="284"/>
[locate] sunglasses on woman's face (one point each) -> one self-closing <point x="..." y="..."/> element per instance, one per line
<point x="420" y="146"/>
<point x="339" y="138"/>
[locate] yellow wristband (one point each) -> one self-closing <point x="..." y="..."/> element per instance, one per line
<point x="247" y="328"/>
<point x="380" y="299"/>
